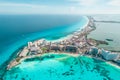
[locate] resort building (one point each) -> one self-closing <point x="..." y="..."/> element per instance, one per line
<point x="29" y="44"/>
<point x="93" y="51"/>
<point x="118" y="61"/>
<point x="55" y="47"/>
<point x="109" y="55"/>
<point x="71" y="48"/>
<point x="33" y="48"/>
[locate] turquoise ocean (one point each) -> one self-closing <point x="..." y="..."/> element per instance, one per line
<point x="52" y="66"/>
<point x="17" y="30"/>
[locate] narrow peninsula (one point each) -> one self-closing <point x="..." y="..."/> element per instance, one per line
<point x="77" y="43"/>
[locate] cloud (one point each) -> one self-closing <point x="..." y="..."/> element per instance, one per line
<point x="114" y="3"/>
<point x="2" y="5"/>
<point x="85" y="2"/>
<point x="19" y="8"/>
<point x="96" y="10"/>
<point x="96" y="7"/>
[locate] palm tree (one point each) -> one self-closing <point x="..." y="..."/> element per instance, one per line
<point x="44" y="49"/>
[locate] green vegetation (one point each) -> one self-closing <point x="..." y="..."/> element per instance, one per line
<point x="44" y="49"/>
<point x="98" y="41"/>
<point x="18" y="59"/>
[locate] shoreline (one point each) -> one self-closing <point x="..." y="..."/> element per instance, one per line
<point x="70" y="35"/>
<point x="63" y="38"/>
<point x="107" y="62"/>
<point x="84" y="32"/>
<point x="3" y="66"/>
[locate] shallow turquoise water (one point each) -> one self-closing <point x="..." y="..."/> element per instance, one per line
<point x="62" y="67"/>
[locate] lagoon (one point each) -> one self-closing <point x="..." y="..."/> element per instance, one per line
<point x="106" y="31"/>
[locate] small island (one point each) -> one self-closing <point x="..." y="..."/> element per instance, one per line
<point x="109" y="39"/>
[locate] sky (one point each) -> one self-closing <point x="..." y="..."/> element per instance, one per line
<point x="59" y="6"/>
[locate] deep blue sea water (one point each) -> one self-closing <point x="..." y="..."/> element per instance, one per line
<point x="17" y="30"/>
